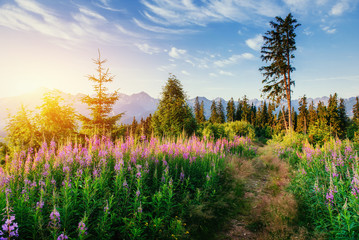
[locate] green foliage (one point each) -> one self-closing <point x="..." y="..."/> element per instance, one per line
<point x="22" y="130"/>
<point x="220" y="109"/>
<point x="101" y="104"/>
<point x="173" y="115"/>
<point x="239" y="128"/>
<point x="55" y="120"/>
<point x="199" y="111"/>
<point x="319" y="133"/>
<point x="229" y="130"/>
<point x="214" y="118"/>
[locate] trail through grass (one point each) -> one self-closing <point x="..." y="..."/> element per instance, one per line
<point x="269" y="210"/>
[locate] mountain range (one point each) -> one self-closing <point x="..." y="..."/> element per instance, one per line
<point x="138" y="105"/>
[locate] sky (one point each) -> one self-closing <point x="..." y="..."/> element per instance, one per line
<point x="211" y="46"/>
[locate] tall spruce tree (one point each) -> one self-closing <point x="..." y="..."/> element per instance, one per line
<point x="246" y="109"/>
<point x="100" y="105"/>
<point x="230" y="110"/>
<point x="220" y="109"/>
<point x="343" y="119"/>
<point x="356" y="112"/>
<point x="214" y="113"/>
<point x="303" y="116"/>
<point x="239" y="110"/>
<point x="202" y="117"/>
<point x="333" y="114"/>
<point x="312" y="114"/>
<point x="197" y="110"/>
<point x="173" y="115"/>
<point x="278" y="48"/>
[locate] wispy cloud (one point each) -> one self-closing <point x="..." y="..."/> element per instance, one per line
<point x="226" y="73"/>
<point x="329" y="30"/>
<point x="340" y="7"/>
<point x="144" y="47"/>
<point x="233" y="59"/>
<point x="185" y="72"/>
<point x="189" y="13"/>
<point x="176" y="53"/>
<point x="256" y="42"/>
<point x="80" y="23"/>
<point x="158" y="29"/>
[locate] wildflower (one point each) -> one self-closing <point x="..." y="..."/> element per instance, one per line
<point x="10" y="228"/>
<point x="125" y="185"/>
<point x="55" y="219"/>
<point x="138" y="193"/>
<point x="139" y="210"/>
<point x="82" y="228"/>
<point x="40" y="204"/>
<point x="181" y="176"/>
<point x="62" y="237"/>
<point x="138" y="175"/>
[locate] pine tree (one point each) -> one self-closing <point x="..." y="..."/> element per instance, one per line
<point x="230" y="110"/>
<point x="202" y="117"/>
<point x="214" y="113"/>
<point x="312" y="114"/>
<point x="271" y="117"/>
<point x="343" y="119"/>
<point x="303" y="116"/>
<point x="253" y="111"/>
<point x="356" y="112"/>
<point x="173" y="115"/>
<point x="279" y="45"/>
<point x="239" y="110"/>
<point x="134" y="126"/>
<point x="101" y="104"/>
<point x="322" y="113"/>
<point x="197" y="110"/>
<point x="246" y="110"/>
<point x="333" y="115"/>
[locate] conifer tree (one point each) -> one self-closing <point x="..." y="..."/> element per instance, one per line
<point x="134" y="126"/>
<point x="214" y="113"/>
<point x="230" y="110"/>
<point x="197" y="110"/>
<point x="303" y="115"/>
<point x="295" y="119"/>
<point x="220" y="109"/>
<point x="343" y="119"/>
<point x="239" y="110"/>
<point x="246" y="109"/>
<point x="322" y="112"/>
<point x="356" y="112"/>
<point x="202" y="117"/>
<point x="333" y="115"/>
<point x="271" y="117"/>
<point x="173" y="115"/>
<point x="312" y="114"/>
<point x="253" y="111"/>
<point x="101" y="104"/>
<point x="279" y="45"/>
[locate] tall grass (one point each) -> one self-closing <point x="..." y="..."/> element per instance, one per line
<point x="128" y="189"/>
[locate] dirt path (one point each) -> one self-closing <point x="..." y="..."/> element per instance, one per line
<point x="270" y="210"/>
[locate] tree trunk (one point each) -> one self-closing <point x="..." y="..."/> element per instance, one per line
<point x="284" y="120"/>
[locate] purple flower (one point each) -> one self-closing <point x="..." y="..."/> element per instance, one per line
<point x="39" y="205"/>
<point x="138" y="193"/>
<point x="10" y="228"/>
<point x="138" y="175"/>
<point x="55" y="219"/>
<point x="82" y="228"/>
<point x="181" y="176"/>
<point x="62" y="237"/>
<point x="125" y="185"/>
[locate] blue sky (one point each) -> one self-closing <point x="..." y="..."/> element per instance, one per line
<point x="212" y="46"/>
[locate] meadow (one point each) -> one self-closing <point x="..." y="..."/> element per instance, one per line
<point x="134" y="188"/>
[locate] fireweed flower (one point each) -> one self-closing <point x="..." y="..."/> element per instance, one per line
<point x="9" y="228"/>
<point x="82" y="228"/>
<point x="54" y="219"/>
<point x="125" y="185"/>
<point x="62" y="237"/>
<point x="138" y="193"/>
<point x="39" y="205"/>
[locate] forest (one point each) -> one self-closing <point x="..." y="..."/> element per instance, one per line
<point x="264" y="172"/>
